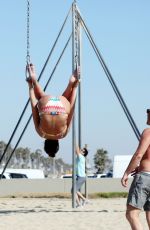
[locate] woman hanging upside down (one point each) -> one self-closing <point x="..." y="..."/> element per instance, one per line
<point x="52" y="115"/>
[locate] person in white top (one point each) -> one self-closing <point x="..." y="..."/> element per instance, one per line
<point x="80" y="175"/>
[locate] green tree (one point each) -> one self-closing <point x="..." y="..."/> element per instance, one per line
<point x="18" y="154"/>
<point x="22" y="157"/>
<point x="2" y="147"/>
<point x="102" y="161"/>
<point x="38" y="154"/>
<point x="32" y="159"/>
<point x="25" y="157"/>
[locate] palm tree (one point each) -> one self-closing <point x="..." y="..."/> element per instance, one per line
<point x="2" y="147"/>
<point x="32" y="159"/>
<point x="19" y="152"/>
<point x="25" y="157"/>
<point x="38" y="154"/>
<point x="7" y="154"/>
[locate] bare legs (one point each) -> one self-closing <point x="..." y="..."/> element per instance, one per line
<point x="70" y="94"/>
<point x="132" y="215"/>
<point x="38" y="91"/>
<point x="80" y="196"/>
<point x="70" y="91"/>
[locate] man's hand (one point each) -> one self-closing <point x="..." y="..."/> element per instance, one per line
<point x="124" y="180"/>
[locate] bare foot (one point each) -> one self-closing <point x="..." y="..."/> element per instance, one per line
<point x="74" y="81"/>
<point x="75" y="77"/>
<point x="32" y="74"/>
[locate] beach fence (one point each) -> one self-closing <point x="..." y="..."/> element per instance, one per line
<point x="48" y="186"/>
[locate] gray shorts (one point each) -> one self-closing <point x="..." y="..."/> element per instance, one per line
<point x="79" y="182"/>
<point x="139" y="193"/>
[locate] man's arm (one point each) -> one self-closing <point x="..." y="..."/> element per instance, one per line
<point x="78" y="150"/>
<point x="137" y="157"/>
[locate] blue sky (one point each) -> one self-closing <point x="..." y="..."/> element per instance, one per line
<point x="120" y="30"/>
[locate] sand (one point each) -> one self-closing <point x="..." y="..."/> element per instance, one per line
<point x="57" y="214"/>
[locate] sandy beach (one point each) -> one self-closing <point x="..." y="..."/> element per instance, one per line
<point x="57" y="214"/>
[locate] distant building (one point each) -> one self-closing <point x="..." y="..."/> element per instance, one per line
<point x="120" y="164"/>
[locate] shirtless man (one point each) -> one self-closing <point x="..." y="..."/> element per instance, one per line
<point x="139" y="193"/>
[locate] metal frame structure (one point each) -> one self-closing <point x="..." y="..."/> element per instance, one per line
<point x="73" y="122"/>
<point x="77" y="23"/>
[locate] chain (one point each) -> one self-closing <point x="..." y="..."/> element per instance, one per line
<point x="28" y="32"/>
<point x="76" y="36"/>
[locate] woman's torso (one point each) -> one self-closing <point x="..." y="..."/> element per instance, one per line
<point x="53" y="113"/>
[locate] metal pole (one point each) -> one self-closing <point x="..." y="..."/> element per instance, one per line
<point x="86" y="184"/>
<point x="79" y="91"/>
<point x="73" y="122"/>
